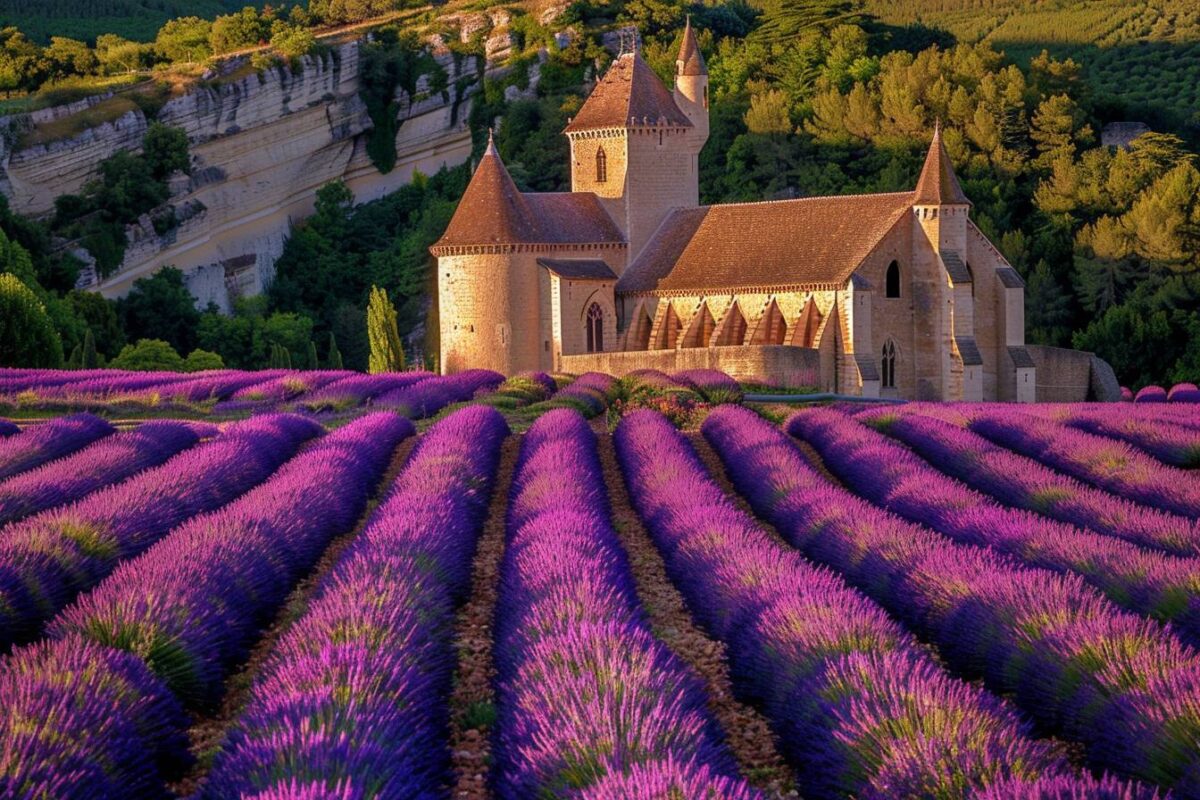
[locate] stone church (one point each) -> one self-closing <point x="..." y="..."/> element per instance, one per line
<point x="878" y="295"/>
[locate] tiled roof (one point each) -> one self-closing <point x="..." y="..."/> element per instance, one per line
<point x="1010" y="278"/>
<point x="1020" y="357"/>
<point x="968" y="350"/>
<point x="938" y="185"/>
<point x="493" y="211"/>
<point x="572" y="217"/>
<point x="579" y="268"/>
<point x="955" y="267"/>
<point x="689" y="53"/>
<point x="819" y="240"/>
<point x="628" y="95"/>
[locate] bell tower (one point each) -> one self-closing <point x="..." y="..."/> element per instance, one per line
<point x="691" y="89"/>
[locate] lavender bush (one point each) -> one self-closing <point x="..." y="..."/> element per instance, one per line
<point x="46" y="441"/>
<point x="108" y="461"/>
<point x="585" y="690"/>
<point x="1101" y="676"/>
<point x="193" y="603"/>
<point x="354" y="694"/>
<point x="856" y="702"/>
<point x="47" y="559"/>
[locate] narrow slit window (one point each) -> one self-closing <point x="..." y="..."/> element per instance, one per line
<point x="601" y="165"/>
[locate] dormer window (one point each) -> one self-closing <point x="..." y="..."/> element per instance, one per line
<point x="601" y="165"/>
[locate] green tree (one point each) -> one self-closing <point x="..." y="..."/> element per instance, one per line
<point x="75" y="359"/>
<point x="200" y="360"/>
<point x="291" y="41"/>
<point x="89" y="359"/>
<point x="160" y="306"/>
<point x="184" y="39"/>
<point x="21" y="63"/>
<point x="334" y="360"/>
<point x="387" y="355"/>
<point x="70" y="57"/>
<point x="166" y="150"/>
<point x="117" y="55"/>
<point x="236" y="31"/>
<point x="27" y="337"/>
<point x="99" y="314"/>
<point x="149" y="355"/>
<point x="312" y="362"/>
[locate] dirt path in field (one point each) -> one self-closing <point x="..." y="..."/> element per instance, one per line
<point x="746" y="730"/>
<point x="472" y="702"/>
<point x="208" y="732"/>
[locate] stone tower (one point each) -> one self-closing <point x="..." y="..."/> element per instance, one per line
<point x="635" y="144"/>
<point x="483" y="285"/>
<point x="942" y="277"/>
<point x="691" y="89"/>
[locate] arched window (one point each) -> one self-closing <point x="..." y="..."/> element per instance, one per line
<point x="893" y="280"/>
<point x="601" y="165"/>
<point x="595" y="328"/>
<point x="888" y="371"/>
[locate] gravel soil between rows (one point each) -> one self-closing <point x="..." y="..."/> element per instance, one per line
<point x="208" y="732"/>
<point x="746" y="730"/>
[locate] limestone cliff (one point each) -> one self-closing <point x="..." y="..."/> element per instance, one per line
<point x="261" y="145"/>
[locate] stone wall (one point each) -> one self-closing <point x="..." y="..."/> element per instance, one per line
<point x="780" y="363"/>
<point x="1071" y="376"/>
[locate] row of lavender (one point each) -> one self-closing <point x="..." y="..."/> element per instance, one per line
<point x="1179" y="393"/>
<point x="894" y="478"/>
<point x="589" y="700"/>
<point x="98" y="709"/>
<point x="1120" y="684"/>
<point x="856" y="701"/>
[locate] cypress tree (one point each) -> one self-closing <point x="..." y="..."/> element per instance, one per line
<point x="387" y="355"/>
<point x="74" y="360"/>
<point x="312" y="362"/>
<point x="89" y="358"/>
<point x="335" y="355"/>
<point x="285" y="358"/>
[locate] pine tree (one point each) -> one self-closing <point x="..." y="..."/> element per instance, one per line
<point x="335" y="355"/>
<point x="311" y="361"/>
<point x="89" y="358"/>
<point x="386" y="353"/>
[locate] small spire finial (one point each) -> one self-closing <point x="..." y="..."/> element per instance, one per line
<point x="937" y="127"/>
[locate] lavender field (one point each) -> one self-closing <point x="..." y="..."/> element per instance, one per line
<point x="310" y="585"/>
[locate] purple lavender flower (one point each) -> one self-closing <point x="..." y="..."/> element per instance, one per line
<point x="46" y="441"/>
<point x="108" y="461"/>
<point x="49" y="558"/>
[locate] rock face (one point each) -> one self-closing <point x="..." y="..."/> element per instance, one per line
<point x="261" y="146"/>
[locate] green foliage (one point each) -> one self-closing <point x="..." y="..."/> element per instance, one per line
<point x="392" y="61"/>
<point x="292" y="41"/>
<point x="88" y="357"/>
<point x="184" y="39"/>
<point x="334" y="357"/>
<point x="27" y="337"/>
<point x="160" y="307"/>
<point x="251" y="337"/>
<point x="244" y="28"/>
<point x="387" y="354"/>
<point x="311" y="361"/>
<point x="199" y="360"/>
<point x="165" y="150"/>
<point x="149" y="355"/>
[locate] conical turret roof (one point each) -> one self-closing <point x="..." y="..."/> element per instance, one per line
<point x="629" y="95"/>
<point x="690" y="57"/>
<point x="492" y="209"/>
<point x="938" y="185"/>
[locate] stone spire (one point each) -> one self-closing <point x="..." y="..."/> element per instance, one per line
<point x="690" y="60"/>
<point x="938" y="185"/>
<point x="492" y="209"/>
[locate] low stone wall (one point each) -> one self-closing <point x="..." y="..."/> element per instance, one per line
<point x="793" y="366"/>
<point x="1071" y="376"/>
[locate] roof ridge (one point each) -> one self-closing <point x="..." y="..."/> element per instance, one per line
<point x="805" y="199"/>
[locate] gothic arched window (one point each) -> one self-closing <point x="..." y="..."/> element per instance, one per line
<point x="893" y="280"/>
<point x="888" y="371"/>
<point x="595" y="328"/>
<point x="601" y="165"/>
